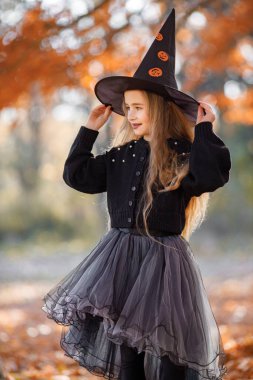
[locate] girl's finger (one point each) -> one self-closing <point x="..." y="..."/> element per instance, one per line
<point x="206" y="105"/>
<point x="108" y="109"/>
<point x="107" y="112"/>
<point x="201" y="110"/>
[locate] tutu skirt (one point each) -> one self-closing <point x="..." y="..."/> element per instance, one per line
<point x="149" y="296"/>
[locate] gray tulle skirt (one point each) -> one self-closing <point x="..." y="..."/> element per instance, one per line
<point x="135" y="291"/>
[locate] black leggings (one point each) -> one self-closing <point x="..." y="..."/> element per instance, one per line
<point x="133" y="366"/>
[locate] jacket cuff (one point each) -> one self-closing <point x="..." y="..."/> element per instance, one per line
<point x="87" y="136"/>
<point x="203" y="130"/>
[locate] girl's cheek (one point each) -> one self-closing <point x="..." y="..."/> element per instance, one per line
<point x="144" y="116"/>
<point x="141" y="114"/>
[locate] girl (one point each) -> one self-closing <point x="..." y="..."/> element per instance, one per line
<point x="136" y="306"/>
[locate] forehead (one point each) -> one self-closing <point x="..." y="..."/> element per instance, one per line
<point x="134" y="96"/>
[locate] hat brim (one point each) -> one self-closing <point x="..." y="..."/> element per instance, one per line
<point x="110" y="91"/>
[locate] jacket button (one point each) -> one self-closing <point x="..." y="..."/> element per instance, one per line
<point x="138" y="173"/>
<point x="133" y="188"/>
<point x="129" y="220"/>
<point x="130" y="203"/>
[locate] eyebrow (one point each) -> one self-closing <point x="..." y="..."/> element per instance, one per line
<point x="135" y="104"/>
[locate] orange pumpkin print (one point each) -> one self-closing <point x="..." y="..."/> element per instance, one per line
<point x="159" y="37"/>
<point x="163" y="55"/>
<point x="155" y="72"/>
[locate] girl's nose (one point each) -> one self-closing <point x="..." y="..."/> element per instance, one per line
<point x="131" y="115"/>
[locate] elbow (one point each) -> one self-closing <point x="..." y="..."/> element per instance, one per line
<point x="196" y="188"/>
<point x="66" y="177"/>
<point x="82" y="185"/>
<point x="226" y="177"/>
<point x="218" y="182"/>
<point x="225" y="170"/>
<point x="71" y="179"/>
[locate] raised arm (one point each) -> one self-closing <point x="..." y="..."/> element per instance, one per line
<point x="82" y="170"/>
<point x="209" y="162"/>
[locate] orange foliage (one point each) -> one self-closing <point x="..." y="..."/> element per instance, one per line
<point x="220" y="53"/>
<point x="26" y="62"/>
<point x="40" y="53"/>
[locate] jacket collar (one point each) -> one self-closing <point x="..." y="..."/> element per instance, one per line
<point x="179" y="145"/>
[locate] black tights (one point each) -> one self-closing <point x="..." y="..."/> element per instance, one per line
<point x="133" y="366"/>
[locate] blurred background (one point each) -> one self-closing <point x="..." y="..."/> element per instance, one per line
<point x="52" y="54"/>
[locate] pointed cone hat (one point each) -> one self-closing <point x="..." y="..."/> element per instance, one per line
<point x="156" y="73"/>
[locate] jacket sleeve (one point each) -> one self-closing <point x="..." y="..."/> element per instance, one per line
<point x="82" y="170"/>
<point x="209" y="162"/>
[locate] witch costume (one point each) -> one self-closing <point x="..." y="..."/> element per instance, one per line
<point x="132" y="291"/>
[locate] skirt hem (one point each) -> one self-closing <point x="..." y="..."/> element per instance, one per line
<point x="122" y="337"/>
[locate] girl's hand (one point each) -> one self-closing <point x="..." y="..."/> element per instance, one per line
<point x="98" y="116"/>
<point x="209" y="116"/>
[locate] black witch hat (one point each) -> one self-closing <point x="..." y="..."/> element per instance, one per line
<point x="156" y="73"/>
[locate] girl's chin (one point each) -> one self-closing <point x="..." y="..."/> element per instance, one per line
<point x="138" y="132"/>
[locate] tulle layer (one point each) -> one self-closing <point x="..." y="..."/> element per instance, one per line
<point x="149" y="296"/>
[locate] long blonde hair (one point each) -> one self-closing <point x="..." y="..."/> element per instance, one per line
<point x="166" y="168"/>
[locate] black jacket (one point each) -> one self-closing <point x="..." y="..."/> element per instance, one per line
<point x="120" y="172"/>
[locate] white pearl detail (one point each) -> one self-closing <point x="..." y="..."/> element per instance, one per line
<point x="183" y="154"/>
<point x="123" y="160"/>
<point x="113" y="159"/>
<point x="175" y="142"/>
<point x="118" y="148"/>
<point x="130" y="146"/>
<point x="133" y="155"/>
<point x="135" y="141"/>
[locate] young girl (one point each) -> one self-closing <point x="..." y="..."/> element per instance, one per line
<point x="136" y="306"/>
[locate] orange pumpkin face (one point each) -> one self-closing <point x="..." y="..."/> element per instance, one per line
<point x="159" y="37"/>
<point x="163" y="55"/>
<point x="155" y="72"/>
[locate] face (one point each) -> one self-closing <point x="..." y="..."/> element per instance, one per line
<point x="137" y="112"/>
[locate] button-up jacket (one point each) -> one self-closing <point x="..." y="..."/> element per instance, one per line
<point x="120" y="172"/>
